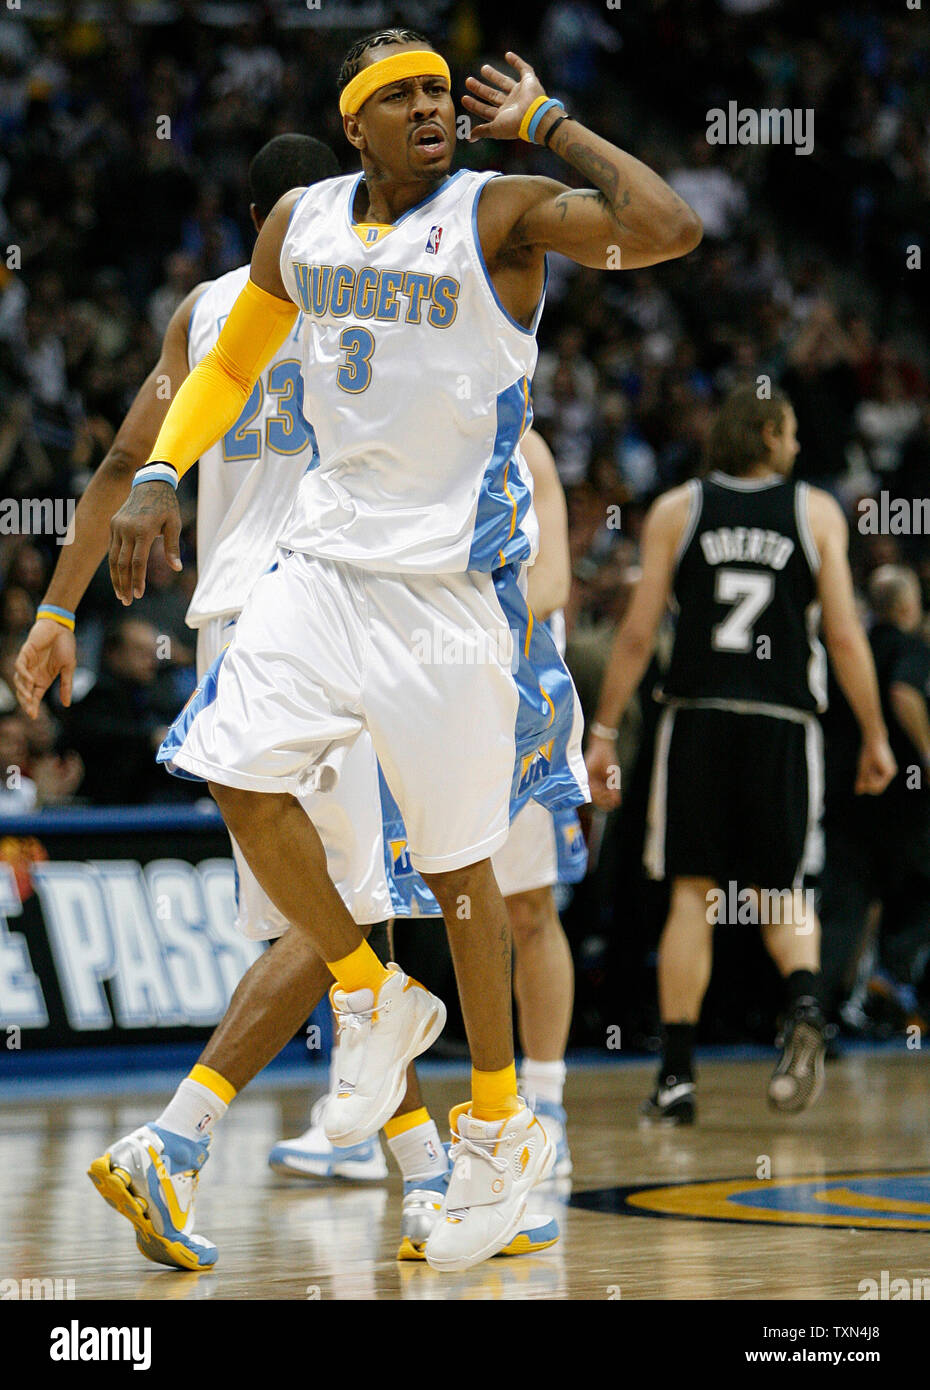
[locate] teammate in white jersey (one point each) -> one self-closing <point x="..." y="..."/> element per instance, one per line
<point x="416" y="521"/>
<point x="245" y="486"/>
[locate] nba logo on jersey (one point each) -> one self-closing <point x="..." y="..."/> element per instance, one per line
<point x="535" y="766"/>
<point x="400" y="857"/>
<point x="433" y="240"/>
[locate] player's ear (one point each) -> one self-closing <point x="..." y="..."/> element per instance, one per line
<point x="353" y="131"/>
<point x="256" y="219"/>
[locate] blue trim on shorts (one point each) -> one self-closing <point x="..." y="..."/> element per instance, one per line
<point x="570" y="848"/>
<point x="546" y="712"/>
<point x="174" y="739"/>
<point x="504" y="498"/>
<point x="406" y="887"/>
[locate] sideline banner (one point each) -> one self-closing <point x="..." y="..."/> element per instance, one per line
<point x="116" y="926"/>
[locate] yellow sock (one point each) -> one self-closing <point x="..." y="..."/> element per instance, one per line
<point x="198" y="1104"/>
<point x="494" y="1093"/>
<point x="399" y="1124"/>
<point x="360" y="969"/>
<point x="214" y="1082"/>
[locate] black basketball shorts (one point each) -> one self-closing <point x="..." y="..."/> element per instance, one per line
<point x="736" y="796"/>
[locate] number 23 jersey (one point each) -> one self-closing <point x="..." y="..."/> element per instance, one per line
<point x="248" y="478"/>
<point x="746" y="594"/>
<point x="417" y="381"/>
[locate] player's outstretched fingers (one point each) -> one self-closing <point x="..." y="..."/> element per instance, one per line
<point x="120" y="552"/>
<point x="65" y="678"/>
<point x="172" y="539"/>
<point x="25" y="686"/>
<point x="139" y="563"/>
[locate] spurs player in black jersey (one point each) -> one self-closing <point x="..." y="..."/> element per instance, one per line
<point x="750" y="559"/>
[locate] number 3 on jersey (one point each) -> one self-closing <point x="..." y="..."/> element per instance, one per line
<point x="750" y="592"/>
<point x="355" y="373"/>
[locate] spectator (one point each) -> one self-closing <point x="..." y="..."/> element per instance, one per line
<point x="718" y="198"/>
<point x="181" y="273"/>
<point x="821" y="382"/>
<point x="119" y="724"/>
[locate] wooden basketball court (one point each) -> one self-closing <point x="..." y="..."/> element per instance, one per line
<point x="864" y="1152"/>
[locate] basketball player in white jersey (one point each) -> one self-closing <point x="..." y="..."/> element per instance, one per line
<point x="245" y="484"/>
<point x="417" y="519"/>
<point x="541" y="851"/>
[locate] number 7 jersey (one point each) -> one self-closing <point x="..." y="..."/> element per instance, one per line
<point x="746" y="593"/>
<point x="417" y="381"/>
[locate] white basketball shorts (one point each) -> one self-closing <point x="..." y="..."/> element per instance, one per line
<point x="470" y="708"/>
<point x="356" y="819"/>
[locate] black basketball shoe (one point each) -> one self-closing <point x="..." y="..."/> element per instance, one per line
<point x="798" y="1078"/>
<point x="671" y="1103"/>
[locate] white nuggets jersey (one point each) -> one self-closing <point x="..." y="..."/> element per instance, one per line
<point x="248" y="479"/>
<point x="417" y="381"/>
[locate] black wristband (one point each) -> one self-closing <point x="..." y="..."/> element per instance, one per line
<point x="553" y="128"/>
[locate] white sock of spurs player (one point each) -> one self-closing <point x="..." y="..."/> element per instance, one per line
<point x="199" y="1103"/>
<point x="542" y="1081"/>
<point x="414" y="1141"/>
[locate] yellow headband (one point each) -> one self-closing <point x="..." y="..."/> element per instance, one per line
<point x="421" y="62"/>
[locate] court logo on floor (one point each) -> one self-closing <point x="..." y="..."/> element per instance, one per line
<point x="881" y="1200"/>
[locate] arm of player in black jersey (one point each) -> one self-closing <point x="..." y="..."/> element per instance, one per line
<point x="49" y="650"/>
<point x="846" y="642"/>
<point x="635" y="640"/>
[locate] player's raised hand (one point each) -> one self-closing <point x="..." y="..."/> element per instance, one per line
<point x="876" y="768"/>
<point x="500" y="100"/>
<point x="49" y="651"/>
<point x="151" y="510"/>
<point x="603" y="772"/>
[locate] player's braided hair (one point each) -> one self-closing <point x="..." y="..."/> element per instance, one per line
<point x="351" y="63"/>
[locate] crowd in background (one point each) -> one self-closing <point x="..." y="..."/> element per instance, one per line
<point x="124" y="147"/>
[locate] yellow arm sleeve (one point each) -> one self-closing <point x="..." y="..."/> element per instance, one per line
<point x="210" y="400"/>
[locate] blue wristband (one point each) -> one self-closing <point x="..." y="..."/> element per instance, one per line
<point x="157" y="473"/>
<point x="534" y="123"/>
<point x="57" y="615"/>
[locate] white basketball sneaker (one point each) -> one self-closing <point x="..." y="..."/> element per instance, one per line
<point x="311" y="1155"/>
<point x="495" y="1165"/>
<point x="377" y="1039"/>
<point x="150" y="1177"/>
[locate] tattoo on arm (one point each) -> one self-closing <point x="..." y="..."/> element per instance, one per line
<point x="562" y="202"/>
<point x="149" y="500"/>
<point x="506" y="945"/>
<point x="602" y="173"/>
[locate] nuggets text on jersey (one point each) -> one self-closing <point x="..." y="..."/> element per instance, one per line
<point x="373" y="294"/>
